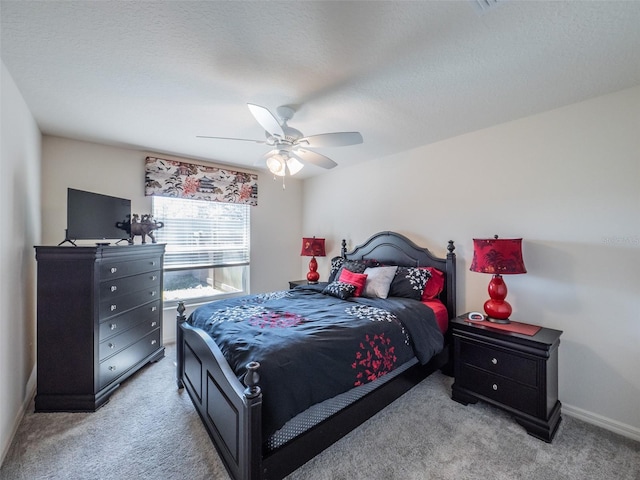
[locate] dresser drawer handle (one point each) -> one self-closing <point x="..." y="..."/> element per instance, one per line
<point x="153" y="324"/>
<point x="153" y="309"/>
<point x="494" y="361"/>
<point x="114" y="288"/>
<point x="495" y="387"/>
<point x="153" y="293"/>
<point x="153" y="277"/>
<point x="113" y="326"/>
<point x="153" y="263"/>
<point x="114" y="269"/>
<point x="112" y="345"/>
<point x="153" y="342"/>
<point x="113" y="307"/>
<point x="112" y="368"/>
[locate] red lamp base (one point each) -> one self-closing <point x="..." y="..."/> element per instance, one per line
<point x="313" y="276"/>
<point x="497" y="309"/>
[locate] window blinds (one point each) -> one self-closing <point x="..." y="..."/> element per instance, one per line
<point x="201" y="234"/>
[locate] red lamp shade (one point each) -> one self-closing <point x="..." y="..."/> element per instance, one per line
<point x="498" y="256"/>
<point x="313" y="247"/>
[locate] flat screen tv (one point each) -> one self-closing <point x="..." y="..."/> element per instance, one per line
<point x="93" y="216"/>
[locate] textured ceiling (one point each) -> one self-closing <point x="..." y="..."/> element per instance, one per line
<point x="154" y="74"/>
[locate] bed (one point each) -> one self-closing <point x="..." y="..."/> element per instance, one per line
<point x="268" y="409"/>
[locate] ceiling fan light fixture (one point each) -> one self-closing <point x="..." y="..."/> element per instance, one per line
<point x="294" y="165"/>
<point x="276" y="165"/>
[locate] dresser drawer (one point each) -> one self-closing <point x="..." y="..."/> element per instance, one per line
<point x="114" y="269"/>
<point x="116" y="325"/>
<point x="499" y="389"/>
<point x="117" y="365"/>
<point x="116" y="287"/>
<point x="499" y="362"/>
<point x="115" y="306"/>
<point x="115" y="344"/>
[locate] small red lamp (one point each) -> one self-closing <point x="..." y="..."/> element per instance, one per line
<point x="313" y="247"/>
<point x="498" y="256"/>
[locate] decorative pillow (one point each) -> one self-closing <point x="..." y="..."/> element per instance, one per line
<point x="357" y="279"/>
<point x="336" y="263"/>
<point x="356" y="266"/>
<point x="340" y="290"/>
<point x="378" y="281"/>
<point x="434" y="285"/>
<point x="409" y="282"/>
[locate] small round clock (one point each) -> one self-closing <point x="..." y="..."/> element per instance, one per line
<point x="475" y="317"/>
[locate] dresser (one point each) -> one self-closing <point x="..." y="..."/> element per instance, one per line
<point x="516" y="372"/>
<point x="99" y="321"/>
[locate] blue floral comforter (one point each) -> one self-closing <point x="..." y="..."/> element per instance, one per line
<point x="313" y="346"/>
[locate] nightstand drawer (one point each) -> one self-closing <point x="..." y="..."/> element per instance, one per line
<point x="499" y="389"/>
<point x="499" y="362"/>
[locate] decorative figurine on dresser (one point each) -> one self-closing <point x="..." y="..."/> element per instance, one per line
<point x="99" y="321"/>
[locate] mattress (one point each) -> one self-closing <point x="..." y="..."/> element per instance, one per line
<point x="323" y="410"/>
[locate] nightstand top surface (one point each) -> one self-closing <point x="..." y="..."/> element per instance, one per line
<point x="545" y="336"/>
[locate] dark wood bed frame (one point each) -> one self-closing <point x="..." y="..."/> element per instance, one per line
<point x="231" y="411"/>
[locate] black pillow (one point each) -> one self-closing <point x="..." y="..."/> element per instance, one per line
<point x="336" y="263"/>
<point x="355" y="266"/>
<point x="409" y="282"/>
<point x="340" y="290"/>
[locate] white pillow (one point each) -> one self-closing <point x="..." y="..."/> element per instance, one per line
<point x="378" y="281"/>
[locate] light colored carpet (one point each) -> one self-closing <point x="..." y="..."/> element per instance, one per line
<point x="150" y="430"/>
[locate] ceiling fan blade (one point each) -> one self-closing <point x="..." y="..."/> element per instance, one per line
<point x="229" y="138"/>
<point x="312" y="157"/>
<point x="266" y="120"/>
<point x="337" y="139"/>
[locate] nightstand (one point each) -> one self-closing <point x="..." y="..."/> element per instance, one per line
<point x="516" y="372"/>
<point x="295" y="283"/>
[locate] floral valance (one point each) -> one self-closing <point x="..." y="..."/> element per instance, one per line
<point x="171" y="178"/>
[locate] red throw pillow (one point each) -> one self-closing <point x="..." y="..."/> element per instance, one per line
<point x="357" y="279"/>
<point x="434" y="285"/>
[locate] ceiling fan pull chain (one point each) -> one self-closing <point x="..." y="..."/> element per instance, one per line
<point x="275" y="178"/>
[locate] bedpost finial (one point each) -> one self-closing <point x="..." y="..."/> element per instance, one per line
<point x="181" y="309"/>
<point x="251" y="378"/>
<point x="451" y="247"/>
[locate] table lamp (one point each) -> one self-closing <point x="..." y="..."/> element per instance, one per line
<point x="498" y="256"/>
<point x="313" y="247"/>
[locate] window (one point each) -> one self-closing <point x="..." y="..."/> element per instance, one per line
<point x="207" y="248"/>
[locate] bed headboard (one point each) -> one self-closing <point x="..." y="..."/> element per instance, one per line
<point x="395" y="249"/>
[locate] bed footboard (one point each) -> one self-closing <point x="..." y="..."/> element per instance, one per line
<point x="230" y="410"/>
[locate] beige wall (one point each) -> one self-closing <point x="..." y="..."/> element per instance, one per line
<point x="567" y="181"/>
<point x="20" y="220"/>
<point x="275" y="223"/>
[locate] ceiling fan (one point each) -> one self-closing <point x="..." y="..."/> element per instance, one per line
<point x="290" y="145"/>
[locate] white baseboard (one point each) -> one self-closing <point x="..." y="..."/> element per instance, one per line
<point x="603" y="422"/>
<point x="30" y="391"/>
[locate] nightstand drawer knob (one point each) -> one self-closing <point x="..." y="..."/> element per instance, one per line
<point x="495" y="387"/>
<point x="494" y="361"/>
